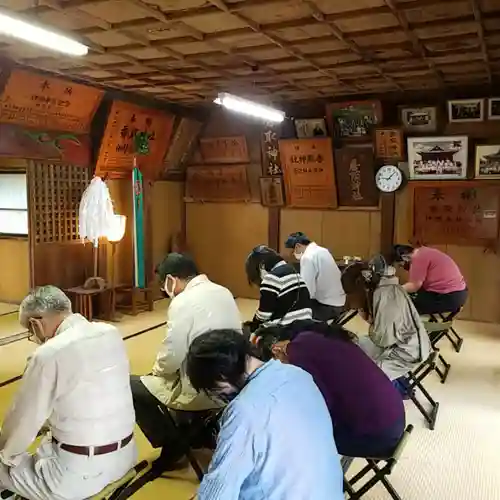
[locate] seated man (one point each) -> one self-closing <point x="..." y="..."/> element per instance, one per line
<point x="197" y="306"/>
<point x="276" y="439"/>
<point x="78" y="382"/>
<point x="321" y="275"/>
<point x="397" y="341"/>
<point x="284" y="297"/>
<point x="435" y="279"/>
<point x="366" y="409"/>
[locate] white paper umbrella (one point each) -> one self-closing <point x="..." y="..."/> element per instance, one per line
<point x="96" y="220"/>
<point x="96" y="211"/>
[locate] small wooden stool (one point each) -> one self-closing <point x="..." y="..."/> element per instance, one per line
<point x="139" y="299"/>
<point x="82" y="301"/>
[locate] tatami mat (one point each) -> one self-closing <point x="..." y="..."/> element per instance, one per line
<point x="457" y="461"/>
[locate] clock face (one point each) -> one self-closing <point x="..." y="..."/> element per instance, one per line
<point x="389" y="178"/>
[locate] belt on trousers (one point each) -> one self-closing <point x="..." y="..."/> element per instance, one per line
<point x="89" y="451"/>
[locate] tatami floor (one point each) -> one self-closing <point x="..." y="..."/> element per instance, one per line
<point x="460" y="460"/>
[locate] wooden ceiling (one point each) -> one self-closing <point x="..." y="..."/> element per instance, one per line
<point x="187" y="51"/>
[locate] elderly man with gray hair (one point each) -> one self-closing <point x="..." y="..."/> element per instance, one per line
<point x="78" y="382"/>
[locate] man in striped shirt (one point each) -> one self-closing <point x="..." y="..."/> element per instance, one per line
<point x="284" y="296"/>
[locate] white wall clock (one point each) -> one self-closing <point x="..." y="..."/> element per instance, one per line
<point x="389" y="178"/>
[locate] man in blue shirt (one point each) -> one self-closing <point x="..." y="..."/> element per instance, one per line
<point x="276" y="438"/>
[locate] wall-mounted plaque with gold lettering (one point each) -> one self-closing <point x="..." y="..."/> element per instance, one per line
<point x="389" y="143"/>
<point x="227" y="183"/>
<point x="125" y="121"/>
<point x="224" y="149"/>
<point x="355" y="172"/>
<point x="455" y="213"/>
<point x="308" y="172"/>
<point x="39" y="101"/>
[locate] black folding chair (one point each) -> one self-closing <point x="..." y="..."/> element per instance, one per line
<point x="435" y="331"/>
<point x="186" y="438"/>
<point x="381" y="468"/>
<point x="446" y="320"/>
<point x="346" y="316"/>
<point x="415" y="386"/>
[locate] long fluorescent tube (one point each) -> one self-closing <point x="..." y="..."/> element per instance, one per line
<point x="251" y="108"/>
<point x="16" y="28"/>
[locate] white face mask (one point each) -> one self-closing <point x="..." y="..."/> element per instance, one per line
<point x="170" y="291"/>
<point x="263" y="273"/>
<point x="298" y="255"/>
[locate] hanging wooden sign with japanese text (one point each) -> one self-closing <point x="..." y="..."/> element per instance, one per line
<point x="64" y="147"/>
<point x="457" y="214"/>
<point x="39" y="101"/>
<point x="389" y="143"/>
<point x="309" y="173"/>
<point x="217" y="183"/>
<point x="355" y="173"/>
<point x="271" y="161"/>
<point x="183" y="141"/>
<point x="117" y="152"/>
<point x="224" y="149"/>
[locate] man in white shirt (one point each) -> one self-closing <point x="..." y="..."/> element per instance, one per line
<point x="77" y="381"/>
<point x="197" y="306"/>
<point x="321" y="275"/>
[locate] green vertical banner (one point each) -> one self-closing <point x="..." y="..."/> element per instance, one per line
<point x="139" y="262"/>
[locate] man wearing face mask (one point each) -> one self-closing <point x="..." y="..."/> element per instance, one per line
<point x="276" y="440"/>
<point x="197" y="306"/>
<point x="77" y="381"/>
<point x="321" y="275"/>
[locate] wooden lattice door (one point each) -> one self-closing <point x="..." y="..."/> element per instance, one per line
<point x="58" y="256"/>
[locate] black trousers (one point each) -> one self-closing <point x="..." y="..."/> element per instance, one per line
<point x="435" y="303"/>
<point x="151" y="417"/>
<point x="324" y="312"/>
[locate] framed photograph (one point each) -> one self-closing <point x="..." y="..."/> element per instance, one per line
<point x="271" y="191"/>
<point x="466" y="110"/>
<point x="353" y="120"/>
<point x="311" y="127"/>
<point x="437" y="157"/>
<point x="494" y="108"/>
<point x="487" y="161"/>
<point x="421" y="119"/>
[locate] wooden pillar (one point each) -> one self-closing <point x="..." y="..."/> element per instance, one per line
<point x="387" y="212"/>
<point x="273" y="230"/>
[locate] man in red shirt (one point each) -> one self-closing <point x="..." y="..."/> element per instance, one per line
<point x="434" y="278"/>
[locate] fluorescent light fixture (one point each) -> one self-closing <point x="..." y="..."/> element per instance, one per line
<point x="240" y="105"/>
<point x="16" y="28"/>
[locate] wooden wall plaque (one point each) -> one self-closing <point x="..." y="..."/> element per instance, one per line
<point x="389" y="143"/>
<point x="64" y="147"/>
<point x="116" y="155"/>
<point x="224" y="149"/>
<point x="456" y="213"/>
<point x="226" y="183"/>
<point x="309" y="173"/>
<point x="355" y="173"/>
<point x="39" y="101"/>
<point x="271" y="191"/>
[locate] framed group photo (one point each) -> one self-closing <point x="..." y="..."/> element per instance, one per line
<point x="435" y="158"/>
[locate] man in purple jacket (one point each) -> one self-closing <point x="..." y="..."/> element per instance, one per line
<point x="366" y="409"/>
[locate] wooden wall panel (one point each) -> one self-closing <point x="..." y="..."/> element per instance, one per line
<point x="14" y="270"/>
<point x="343" y="232"/>
<point x="167" y="216"/>
<point x="220" y="236"/>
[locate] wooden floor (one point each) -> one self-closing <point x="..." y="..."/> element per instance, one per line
<point x="458" y="461"/>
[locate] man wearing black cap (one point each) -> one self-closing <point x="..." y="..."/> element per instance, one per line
<point x="197" y="306"/>
<point x="321" y="274"/>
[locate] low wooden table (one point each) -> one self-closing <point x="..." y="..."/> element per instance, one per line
<point x="137" y="299"/>
<point x="82" y="301"/>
